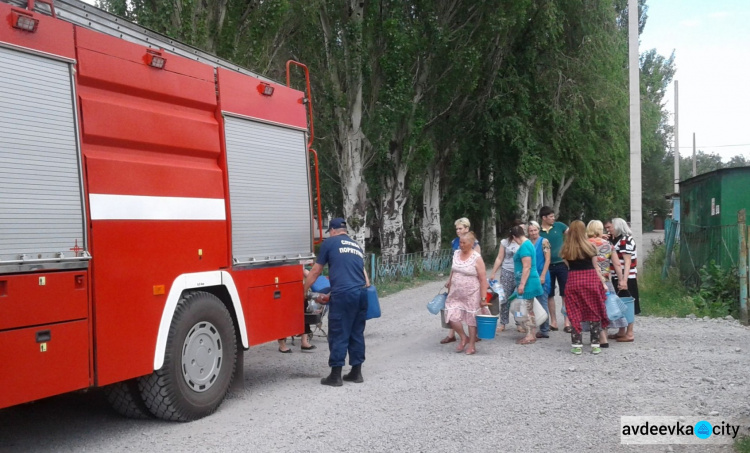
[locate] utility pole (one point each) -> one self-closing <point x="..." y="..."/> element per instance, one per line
<point x="636" y="210"/>
<point x="676" y="139"/>
<point x="695" y="172"/>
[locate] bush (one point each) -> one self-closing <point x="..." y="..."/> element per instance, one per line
<point x="717" y="295"/>
<point x="719" y="291"/>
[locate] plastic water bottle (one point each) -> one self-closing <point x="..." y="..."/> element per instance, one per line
<point x="501" y="295"/>
<point x="496" y="287"/>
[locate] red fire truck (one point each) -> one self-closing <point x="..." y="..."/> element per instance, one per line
<point x="155" y="209"/>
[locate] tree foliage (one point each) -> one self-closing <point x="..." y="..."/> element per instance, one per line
<point x="430" y="110"/>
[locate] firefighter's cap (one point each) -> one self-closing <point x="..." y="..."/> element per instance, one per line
<point x="336" y="224"/>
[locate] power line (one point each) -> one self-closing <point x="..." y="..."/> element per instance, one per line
<point x="715" y="146"/>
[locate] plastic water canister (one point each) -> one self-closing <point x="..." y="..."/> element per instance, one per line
<point x="520" y="311"/>
<point x="373" y="304"/>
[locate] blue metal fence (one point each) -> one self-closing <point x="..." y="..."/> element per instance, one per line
<point x="409" y="265"/>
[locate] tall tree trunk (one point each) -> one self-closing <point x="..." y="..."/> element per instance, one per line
<point x="394" y="182"/>
<point x="538" y="202"/>
<point x="353" y="185"/>
<point x="392" y="210"/>
<point x="549" y="195"/>
<point x="431" y="229"/>
<point x="561" y="189"/>
<point x="522" y="198"/>
<point x="351" y="146"/>
<point x="489" y="223"/>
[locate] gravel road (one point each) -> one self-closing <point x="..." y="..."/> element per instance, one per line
<point x="420" y="396"/>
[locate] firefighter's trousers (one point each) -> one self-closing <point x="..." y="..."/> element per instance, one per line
<point x="346" y="327"/>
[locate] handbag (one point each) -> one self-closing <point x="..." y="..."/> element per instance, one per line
<point x="437" y="303"/>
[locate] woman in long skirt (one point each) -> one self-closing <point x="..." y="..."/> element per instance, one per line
<point x="585" y="291"/>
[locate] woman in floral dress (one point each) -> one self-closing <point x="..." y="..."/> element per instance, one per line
<point x="467" y="293"/>
<point x="604" y="249"/>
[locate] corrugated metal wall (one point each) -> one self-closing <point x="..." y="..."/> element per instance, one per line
<point x="40" y="188"/>
<point x="268" y="192"/>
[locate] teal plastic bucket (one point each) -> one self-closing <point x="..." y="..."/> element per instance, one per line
<point x="629" y="308"/>
<point x="486" y="326"/>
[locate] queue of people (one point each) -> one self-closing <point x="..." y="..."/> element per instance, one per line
<point x="583" y="261"/>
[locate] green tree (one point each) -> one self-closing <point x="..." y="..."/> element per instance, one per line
<point x="656" y="133"/>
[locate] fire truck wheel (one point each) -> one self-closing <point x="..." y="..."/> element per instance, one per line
<point x="199" y="361"/>
<point x="125" y="398"/>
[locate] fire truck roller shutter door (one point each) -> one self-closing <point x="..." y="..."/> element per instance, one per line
<point x="268" y="187"/>
<point x="196" y="281"/>
<point x="42" y="213"/>
<point x="199" y="362"/>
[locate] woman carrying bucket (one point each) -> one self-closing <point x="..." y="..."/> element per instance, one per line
<point x="467" y="292"/>
<point x="528" y="284"/>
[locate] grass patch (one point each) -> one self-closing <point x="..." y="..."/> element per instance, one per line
<point x="392" y="287"/>
<point x="715" y="297"/>
<point x="742" y="445"/>
<point x="668" y="297"/>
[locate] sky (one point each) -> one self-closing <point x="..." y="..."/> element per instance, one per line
<point x="711" y="42"/>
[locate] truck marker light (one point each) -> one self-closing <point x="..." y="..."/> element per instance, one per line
<point x="265" y="89"/>
<point x="24" y="21"/>
<point x="159" y="290"/>
<point x="155" y="60"/>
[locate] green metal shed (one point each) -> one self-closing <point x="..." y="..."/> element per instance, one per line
<point x="708" y="218"/>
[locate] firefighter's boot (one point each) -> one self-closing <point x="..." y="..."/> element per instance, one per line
<point x="355" y="375"/>
<point x="333" y="379"/>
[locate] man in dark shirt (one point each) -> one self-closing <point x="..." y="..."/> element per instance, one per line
<point x="348" y="303"/>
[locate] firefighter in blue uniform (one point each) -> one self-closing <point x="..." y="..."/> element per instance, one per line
<point x="348" y="303"/>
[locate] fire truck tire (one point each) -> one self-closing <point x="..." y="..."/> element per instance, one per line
<point x="125" y="398"/>
<point x="199" y="361"/>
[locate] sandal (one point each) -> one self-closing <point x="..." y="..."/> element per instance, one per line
<point x="449" y="339"/>
<point x="309" y="348"/>
<point x="567" y="329"/>
<point x="525" y="340"/>
<point x="288" y="351"/>
<point x="471" y="351"/>
<point x="460" y="347"/>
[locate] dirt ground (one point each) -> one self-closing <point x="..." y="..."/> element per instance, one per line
<point x="421" y="396"/>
